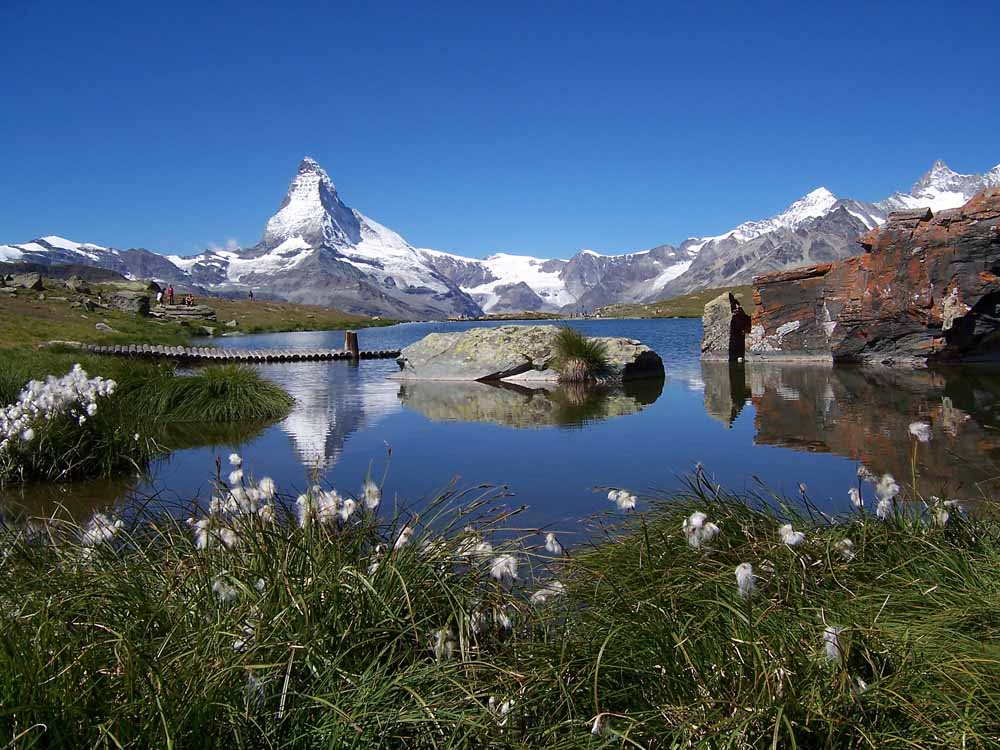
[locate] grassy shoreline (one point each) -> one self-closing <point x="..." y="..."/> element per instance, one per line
<point x="686" y="306"/>
<point x="30" y="318"/>
<point x="336" y="633"/>
<point x="139" y="421"/>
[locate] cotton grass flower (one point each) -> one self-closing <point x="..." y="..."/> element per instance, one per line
<point x="268" y="489"/>
<point x="235" y="460"/>
<point x="201" y="528"/>
<point x="831" y="643"/>
<point x="28" y="435"/>
<point x="921" y="431"/>
<point x="745" y="580"/>
<point x="347" y="509"/>
<point x="887" y="488"/>
<point x="883" y="509"/>
<point x="552" y="545"/>
<point x="500" y="711"/>
<point x="504" y="568"/>
<point x="444" y="644"/>
<point x="789" y="536"/>
<point x="550" y="590"/>
<point x="599" y="725"/>
<point x="404" y="538"/>
<point x="236" y="476"/>
<point x="864" y="474"/>
<point x="223" y="591"/>
<point x="845" y="548"/>
<point x="698" y="530"/>
<point x="101" y="529"/>
<point x="623" y="499"/>
<point x="856" y="500"/>
<point x="372" y="494"/>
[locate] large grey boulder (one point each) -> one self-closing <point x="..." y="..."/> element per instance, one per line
<point x="28" y="281"/>
<point x="133" y="303"/>
<point x="514" y="353"/>
<point x="724" y="329"/>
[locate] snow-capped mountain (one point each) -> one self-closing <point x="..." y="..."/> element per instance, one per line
<point x="316" y="249"/>
<point x="941" y="188"/>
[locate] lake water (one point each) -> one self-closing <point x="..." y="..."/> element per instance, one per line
<point x="779" y="425"/>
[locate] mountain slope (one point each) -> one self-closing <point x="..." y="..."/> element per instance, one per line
<point x="315" y="249"/>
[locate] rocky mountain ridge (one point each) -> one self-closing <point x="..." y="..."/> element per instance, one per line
<point x="316" y="249"/>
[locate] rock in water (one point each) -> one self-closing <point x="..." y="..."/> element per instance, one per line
<point x="926" y="289"/>
<point x="724" y="329"/>
<point x="516" y="354"/>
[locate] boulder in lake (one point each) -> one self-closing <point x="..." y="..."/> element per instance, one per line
<point x="724" y="329"/>
<point x="515" y="354"/>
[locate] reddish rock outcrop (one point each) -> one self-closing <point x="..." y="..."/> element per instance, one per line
<point x="927" y="288"/>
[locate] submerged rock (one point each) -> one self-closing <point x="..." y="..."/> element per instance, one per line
<point x="524" y="353"/>
<point x="926" y="289"/>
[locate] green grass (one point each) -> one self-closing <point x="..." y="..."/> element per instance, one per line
<point x="28" y="318"/>
<point x="152" y="401"/>
<point x="132" y="649"/>
<point x="577" y="357"/>
<point x="685" y="306"/>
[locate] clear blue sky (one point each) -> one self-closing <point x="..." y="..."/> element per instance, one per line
<point x="535" y="128"/>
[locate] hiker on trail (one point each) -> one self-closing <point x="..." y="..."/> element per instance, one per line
<point x="251" y="295"/>
<point x="170" y="294"/>
<point x="159" y="297"/>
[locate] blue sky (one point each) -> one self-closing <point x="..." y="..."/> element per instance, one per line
<point x="539" y="128"/>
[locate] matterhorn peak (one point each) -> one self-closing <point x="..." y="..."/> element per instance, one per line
<point x="312" y="211"/>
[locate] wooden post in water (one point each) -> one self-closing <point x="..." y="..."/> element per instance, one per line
<point x="351" y="343"/>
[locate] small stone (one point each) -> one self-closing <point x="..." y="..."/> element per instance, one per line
<point x="232" y="324"/>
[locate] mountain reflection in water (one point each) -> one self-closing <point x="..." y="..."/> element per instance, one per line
<point x="864" y="414"/>
<point x="561" y="405"/>
<point x="783" y="424"/>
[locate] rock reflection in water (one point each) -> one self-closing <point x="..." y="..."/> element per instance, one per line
<point x="864" y="414"/>
<point x="565" y="405"/>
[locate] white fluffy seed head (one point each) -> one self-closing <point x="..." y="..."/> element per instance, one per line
<point x="235" y="459"/>
<point x="831" y="642"/>
<point x="856" y="500"/>
<point x="552" y="545"/>
<point x="504" y="568"/>
<point x="921" y="431"/>
<point x="789" y="536"/>
<point x="372" y="495"/>
<point x="745" y="580"/>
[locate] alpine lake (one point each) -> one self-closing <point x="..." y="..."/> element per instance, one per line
<point x="793" y="430"/>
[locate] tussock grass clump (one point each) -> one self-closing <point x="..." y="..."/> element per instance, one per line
<point x="332" y="628"/>
<point x="578" y="358"/>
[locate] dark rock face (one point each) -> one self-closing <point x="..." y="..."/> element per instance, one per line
<point x="926" y="289"/>
<point x="133" y="303"/>
<point x="724" y="329"/>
